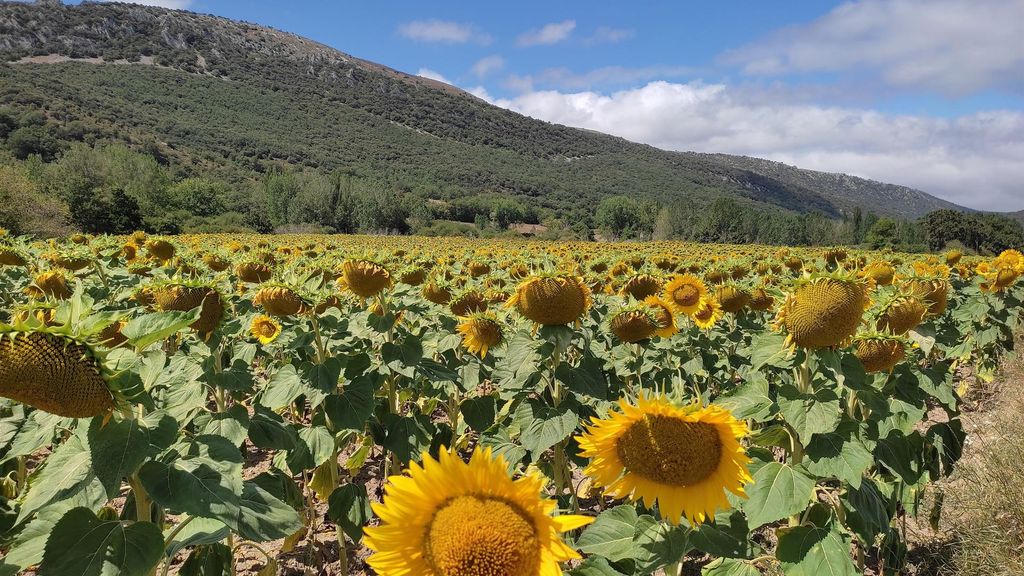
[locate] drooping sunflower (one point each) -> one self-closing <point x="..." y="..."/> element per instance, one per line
<point x="49" y="284"/>
<point x="480" y="333"/>
<point x="663" y="315"/>
<point x="901" y="315"/>
<point x="641" y="286"/>
<point x="685" y="292"/>
<point x="447" y="517"/>
<point x="683" y="458"/>
<point x="824" y="311"/>
<point x="707" y="314"/>
<point x="879" y="352"/>
<point x="732" y="298"/>
<point x="280" y="301"/>
<point x="265" y="329"/>
<point x="880" y="271"/>
<point x="188" y="295"/>
<point x="552" y="300"/>
<point x="365" y="278"/>
<point x="633" y="325"/>
<point x="467" y="302"/>
<point x="934" y="292"/>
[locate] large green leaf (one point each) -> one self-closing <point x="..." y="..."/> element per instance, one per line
<point x="262" y="517"/>
<point x="749" y="400"/>
<point x="542" y="426"/>
<point x="232" y="424"/>
<point x="83" y="545"/>
<point x="150" y="328"/>
<point x="349" y="507"/>
<point x="283" y="388"/>
<point x="350" y="409"/>
<point x="815" y="551"/>
<point x="778" y="491"/>
<point x="730" y="567"/>
<point x="768" y="349"/>
<point x="840" y="454"/>
<point x="810" y="413"/>
<point x="611" y="534"/>
<point x="205" y="479"/>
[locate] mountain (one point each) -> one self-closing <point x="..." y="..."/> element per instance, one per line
<point x="213" y="96"/>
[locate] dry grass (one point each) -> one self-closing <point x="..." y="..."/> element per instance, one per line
<point x="984" y="506"/>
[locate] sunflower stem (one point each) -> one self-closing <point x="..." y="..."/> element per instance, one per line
<point x="321" y="353"/>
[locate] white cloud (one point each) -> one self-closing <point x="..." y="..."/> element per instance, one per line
<point x="975" y="160"/>
<point x="549" y="34"/>
<point x="566" y="79"/>
<point x="433" y="75"/>
<point x="953" y="46"/>
<point x="173" y="4"/>
<point x="607" y="35"/>
<point x="486" y="65"/>
<point x="442" y="31"/>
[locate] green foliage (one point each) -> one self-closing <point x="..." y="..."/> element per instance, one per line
<point x="983" y="233"/>
<point x="29" y="140"/>
<point x="623" y="217"/>
<point x="24" y="209"/>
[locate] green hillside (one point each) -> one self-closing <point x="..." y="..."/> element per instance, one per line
<point x="233" y="103"/>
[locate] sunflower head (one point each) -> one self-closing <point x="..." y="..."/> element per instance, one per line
<point x="160" y="249"/>
<point x="10" y="256"/>
<point x="881" y="272"/>
<point x="634" y="325"/>
<point x="413" y="276"/>
<point x="663" y="316"/>
<point x="683" y="458"/>
<point x="685" y="292"/>
<point x="215" y="262"/>
<point x="480" y="333"/>
<point x="953" y="257"/>
<point x="879" y="352"/>
<point x="265" y="329"/>
<point x="761" y="300"/>
<point x="447" y="517"/>
<point x="641" y="286"/>
<point x="279" y="300"/>
<point x="185" y="296"/>
<point x="552" y="300"/>
<point x="707" y="314"/>
<point x="732" y="298"/>
<point x="254" y="272"/>
<point x="467" y="302"/>
<point x="49" y="284"/>
<point x="365" y="278"/>
<point x="900" y="315"/>
<point x="436" y="290"/>
<point x="824" y="311"/>
<point x="53" y="371"/>
<point x="934" y="292"/>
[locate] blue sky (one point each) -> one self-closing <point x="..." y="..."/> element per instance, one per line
<point x="926" y="93"/>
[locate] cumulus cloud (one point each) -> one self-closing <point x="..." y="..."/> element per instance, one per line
<point x="549" y="34"/>
<point x="976" y="160"/>
<point x="566" y="79"/>
<point x="442" y="31"/>
<point x="432" y="74"/>
<point x="488" y="64"/>
<point x="607" y="35"/>
<point x="173" y="4"/>
<point x="952" y="46"/>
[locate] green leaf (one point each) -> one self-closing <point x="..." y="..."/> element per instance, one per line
<point x="350" y="409"/>
<point x="611" y="534"/>
<point x="150" y="328"/>
<point x="866" y="512"/>
<point x="727" y="536"/>
<point x="479" y="412"/>
<point x="543" y="426"/>
<point x="324" y="377"/>
<point x="269" y="430"/>
<point x="749" y="400"/>
<point x="657" y="544"/>
<point x="814" y="551"/>
<point x="730" y="567"/>
<point x="205" y="479"/>
<point x="232" y="424"/>
<point x="349" y="507"/>
<point x="282" y="389"/>
<point x="595" y="566"/>
<point x="520" y="364"/>
<point x="207" y="560"/>
<point x="778" y="491"/>
<point x="768" y="349"/>
<point x="27" y="548"/>
<point x="588" y="378"/>
<point x="809" y="414"/>
<point x="199" y="531"/>
<point x="407" y="436"/>
<point x="67" y="479"/>
<point x="840" y="454"/>
<point x="83" y="545"/>
<point x="262" y="517"/>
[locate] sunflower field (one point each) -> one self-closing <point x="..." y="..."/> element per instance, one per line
<point x="225" y="404"/>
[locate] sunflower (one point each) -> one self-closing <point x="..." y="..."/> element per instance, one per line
<point x="365" y="278"/>
<point x="685" y="292"/>
<point x="552" y="300"/>
<point x="879" y="352"/>
<point x="707" y="314"/>
<point x="447" y="517"/>
<point x="732" y="298"/>
<point x="881" y="272"/>
<point x="480" y="332"/>
<point x="824" y="312"/>
<point x="634" y="325"/>
<point x="280" y="301"/>
<point x="663" y="315"/>
<point x="641" y="286"/>
<point x="265" y="329"/>
<point x="901" y="315"/>
<point x="468" y="302"/>
<point x="934" y="292"/>
<point x="683" y="458"/>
